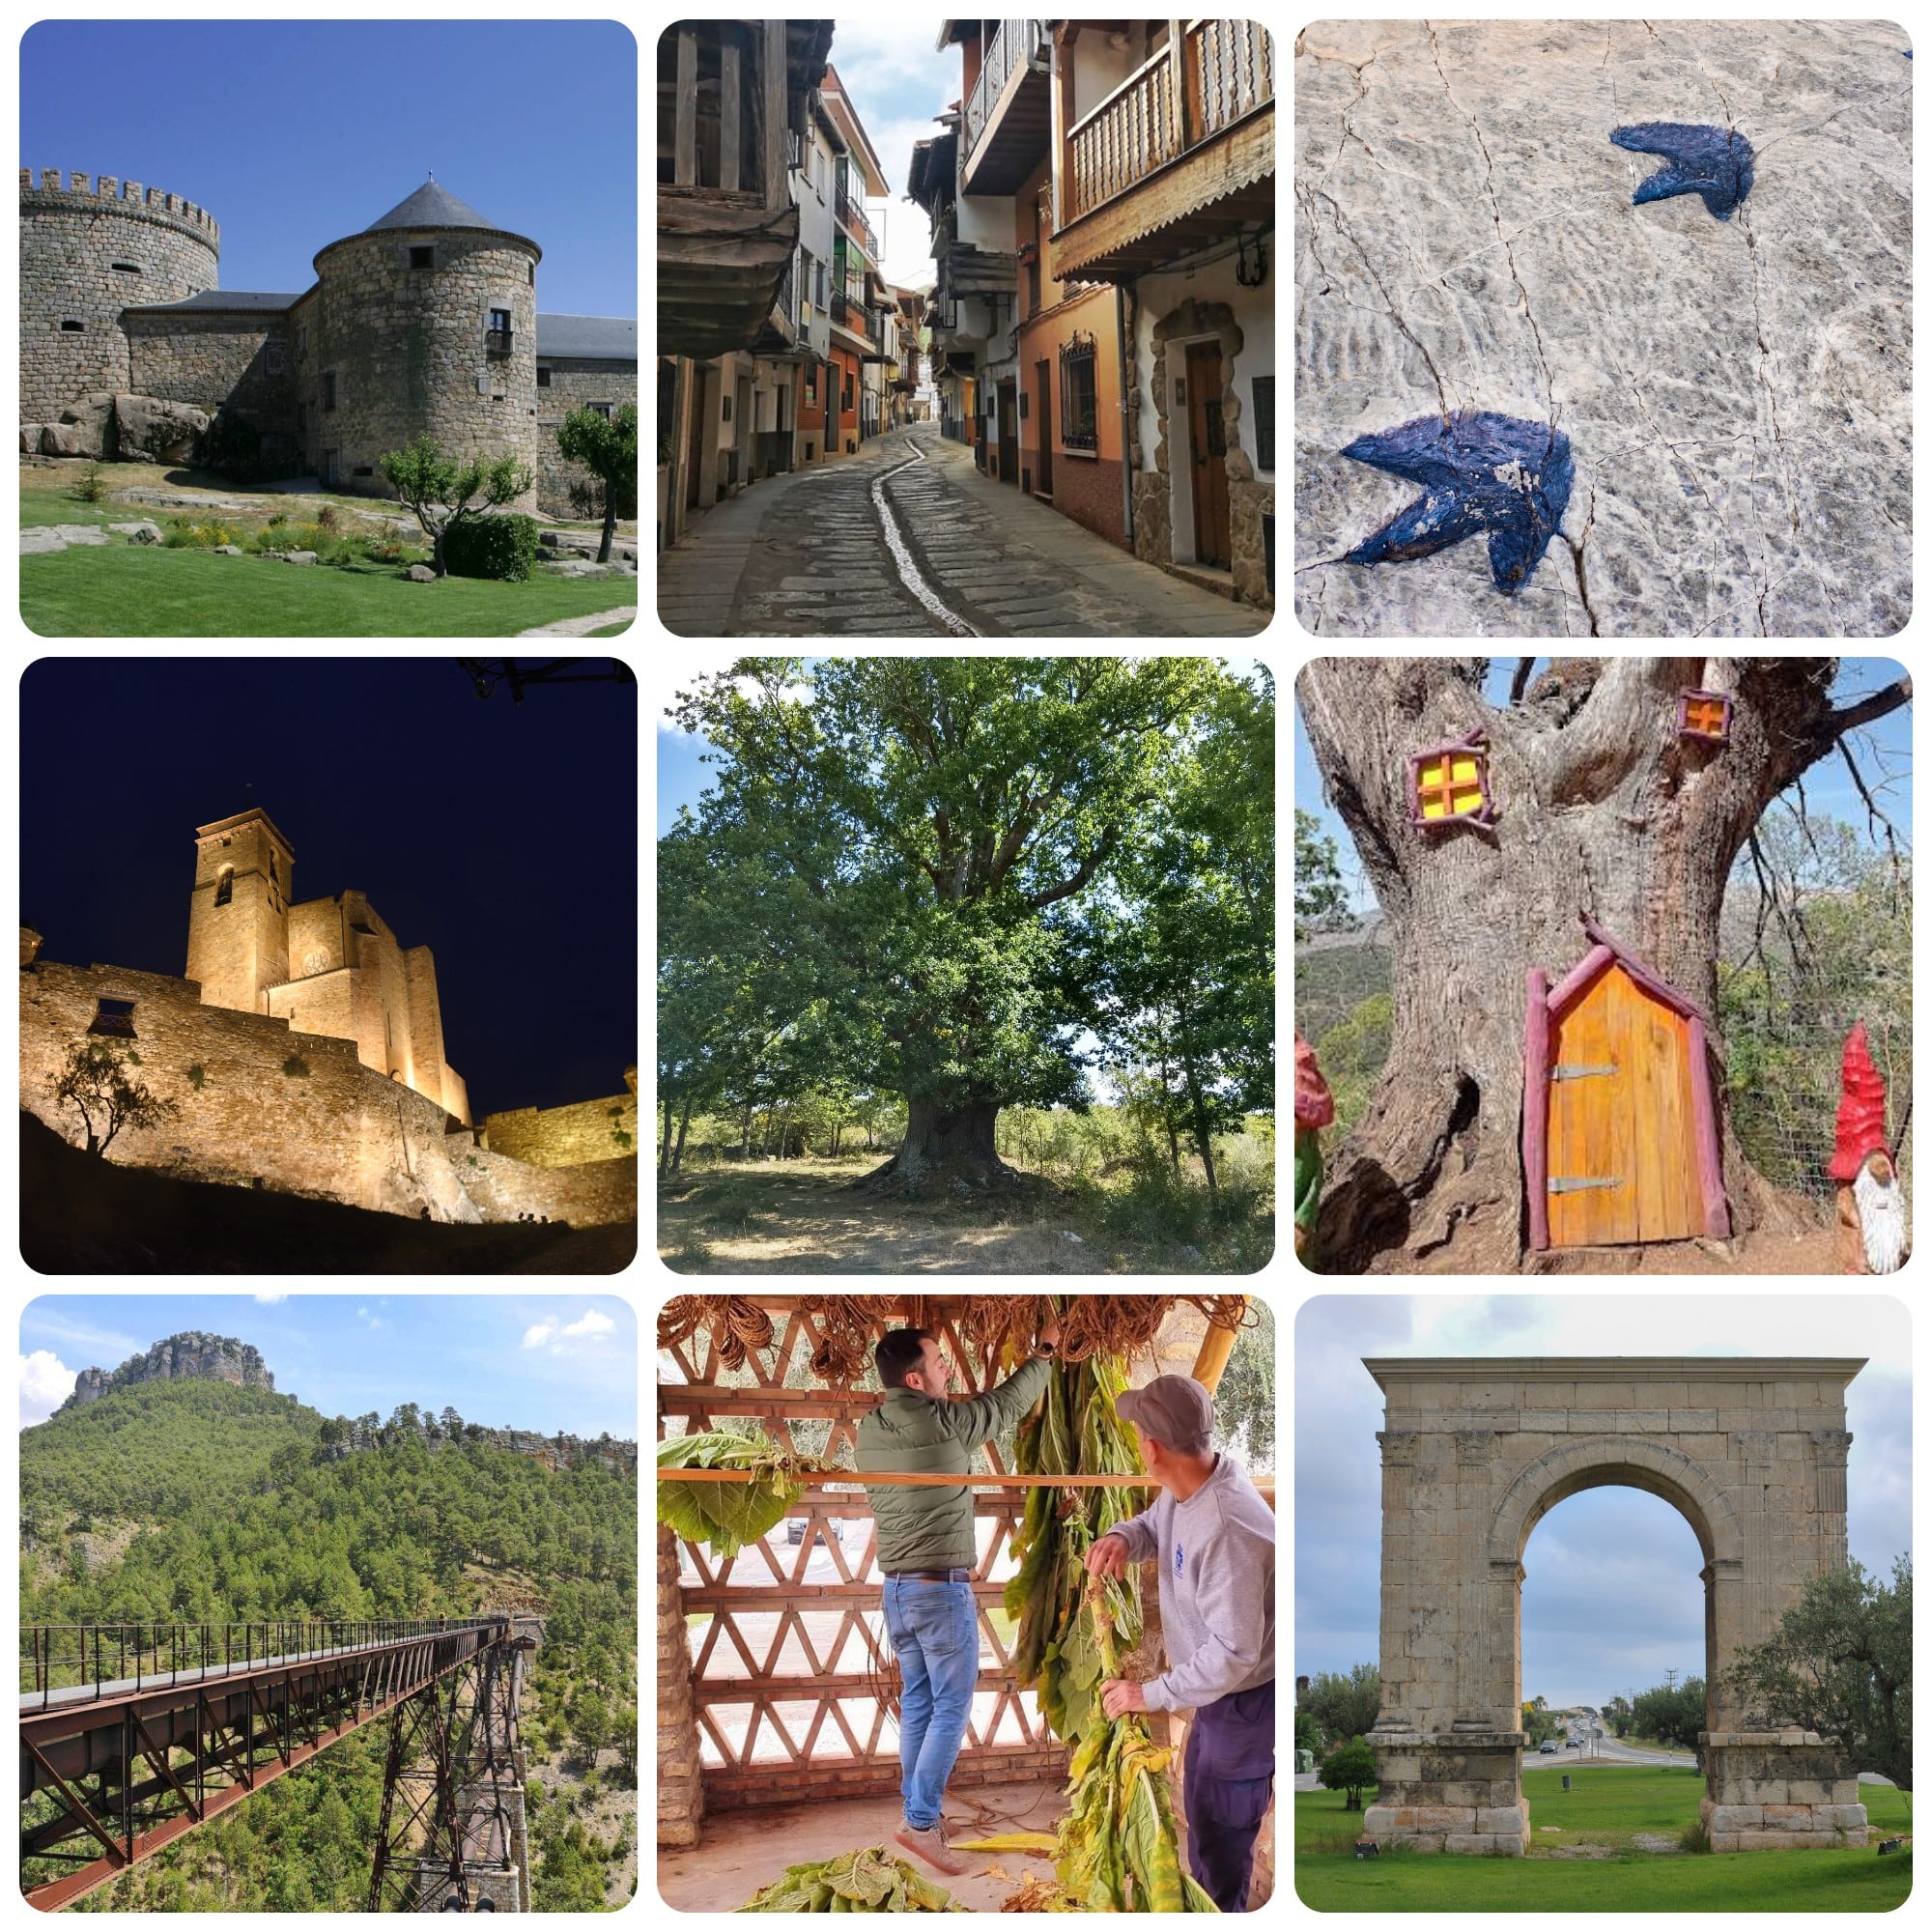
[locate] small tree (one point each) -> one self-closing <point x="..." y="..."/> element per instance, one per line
<point x="94" y="1083"/>
<point x="1350" y="1769"/>
<point x="1840" y="1664"/>
<point x="608" y="447"/>
<point x="1343" y="1706"/>
<point x="438" y="491"/>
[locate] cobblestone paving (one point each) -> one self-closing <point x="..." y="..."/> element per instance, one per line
<point x="806" y="555"/>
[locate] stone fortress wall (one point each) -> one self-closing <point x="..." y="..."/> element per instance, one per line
<point x="586" y="1130"/>
<point x="237" y="360"/>
<point x="84" y="257"/>
<point x="406" y="348"/>
<point x="573" y="382"/>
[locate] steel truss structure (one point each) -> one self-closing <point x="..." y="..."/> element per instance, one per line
<point x="121" y="1767"/>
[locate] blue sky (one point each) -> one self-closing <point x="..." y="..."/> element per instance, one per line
<point x="1612" y="1598"/>
<point x="1885" y="751"/>
<point x="295" y="135"/>
<point x="512" y="1361"/>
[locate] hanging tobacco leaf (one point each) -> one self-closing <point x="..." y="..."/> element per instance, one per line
<point x="726" y="1516"/>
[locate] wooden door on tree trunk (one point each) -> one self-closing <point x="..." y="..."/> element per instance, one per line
<point x="1621" y="1139"/>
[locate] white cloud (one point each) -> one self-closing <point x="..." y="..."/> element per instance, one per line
<point x="271" y="1294"/>
<point x="46" y="1382"/>
<point x="592" y="1324"/>
<point x="535" y="1338"/>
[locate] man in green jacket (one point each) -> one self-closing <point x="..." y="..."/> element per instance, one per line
<point x="927" y="1552"/>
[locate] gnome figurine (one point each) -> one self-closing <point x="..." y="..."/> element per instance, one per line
<point x="1872" y="1203"/>
<point x="1313" y="1110"/>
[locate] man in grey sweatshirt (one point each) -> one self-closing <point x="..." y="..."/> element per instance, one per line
<point x="1215" y="1537"/>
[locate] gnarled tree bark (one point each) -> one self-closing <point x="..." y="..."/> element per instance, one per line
<point x="1601" y="810"/>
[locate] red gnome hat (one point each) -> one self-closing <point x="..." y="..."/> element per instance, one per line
<point x="1861" y="1109"/>
<point x="1314" y="1104"/>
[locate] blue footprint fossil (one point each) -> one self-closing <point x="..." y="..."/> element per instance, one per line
<point x="1485" y="474"/>
<point x="1715" y="162"/>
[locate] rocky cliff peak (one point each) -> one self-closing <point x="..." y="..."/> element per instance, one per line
<point x="192" y="1357"/>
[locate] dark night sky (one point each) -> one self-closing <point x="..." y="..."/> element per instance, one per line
<point x="504" y="838"/>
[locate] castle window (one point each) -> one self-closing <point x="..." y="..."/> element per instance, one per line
<point x="115" y="1018"/>
<point x="74" y="328"/>
<point x="224" y="889"/>
<point x="126" y="268"/>
<point x="274" y="358"/>
<point x="328" y="390"/>
<point x="422" y="258"/>
<point x="542" y="378"/>
<point x="604" y="409"/>
<point x="272" y="873"/>
<point x="534" y="274"/>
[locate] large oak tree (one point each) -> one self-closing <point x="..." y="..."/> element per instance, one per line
<point x="910" y="839"/>
<point x="1602" y="810"/>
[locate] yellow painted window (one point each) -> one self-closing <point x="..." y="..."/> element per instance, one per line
<point x="1450" y="785"/>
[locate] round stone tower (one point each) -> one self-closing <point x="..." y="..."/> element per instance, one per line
<point x="87" y="254"/>
<point x="405" y="334"/>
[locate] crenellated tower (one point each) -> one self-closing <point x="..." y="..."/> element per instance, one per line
<point x="88" y="251"/>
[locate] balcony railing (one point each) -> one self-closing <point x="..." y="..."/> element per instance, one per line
<point x="1017" y="43"/>
<point x="854" y="218"/>
<point x="785" y="303"/>
<point x="1147" y="122"/>
<point x="497" y="341"/>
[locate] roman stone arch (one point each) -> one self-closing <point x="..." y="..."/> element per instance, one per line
<point x="1750" y="1451"/>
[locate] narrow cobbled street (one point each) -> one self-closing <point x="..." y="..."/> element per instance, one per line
<point x="906" y="539"/>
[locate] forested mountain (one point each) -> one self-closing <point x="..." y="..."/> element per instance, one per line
<point x="202" y="1501"/>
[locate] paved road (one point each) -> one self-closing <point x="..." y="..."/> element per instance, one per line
<point x="907" y="540"/>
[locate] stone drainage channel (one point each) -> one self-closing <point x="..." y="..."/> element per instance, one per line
<point x="908" y="570"/>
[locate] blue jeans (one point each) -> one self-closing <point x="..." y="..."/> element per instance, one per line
<point x="935" y="1630"/>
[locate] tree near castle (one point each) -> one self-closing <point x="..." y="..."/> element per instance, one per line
<point x="608" y="447"/>
<point x="441" y="493"/>
<point x="94" y="1081"/>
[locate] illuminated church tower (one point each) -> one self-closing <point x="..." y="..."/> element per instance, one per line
<point x="238" y="929"/>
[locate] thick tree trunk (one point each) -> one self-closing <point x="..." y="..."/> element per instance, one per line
<point x="944" y="1150"/>
<point x="1602" y="809"/>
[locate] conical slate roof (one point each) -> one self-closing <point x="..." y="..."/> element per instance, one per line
<point x="432" y="206"/>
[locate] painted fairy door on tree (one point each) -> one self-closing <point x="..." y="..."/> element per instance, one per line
<point x="1619" y="1129"/>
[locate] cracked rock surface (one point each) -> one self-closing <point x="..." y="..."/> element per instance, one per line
<point x="1736" y="394"/>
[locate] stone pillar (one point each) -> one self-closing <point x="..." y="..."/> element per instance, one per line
<point x="680" y="1785"/>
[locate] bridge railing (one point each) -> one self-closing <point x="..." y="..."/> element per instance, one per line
<point x="61" y="1657"/>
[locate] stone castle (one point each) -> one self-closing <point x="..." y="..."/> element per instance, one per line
<point x="425" y="322"/>
<point x="304" y="1051"/>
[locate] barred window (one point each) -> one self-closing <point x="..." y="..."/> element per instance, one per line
<point x="542" y="378"/>
<point x="1263" y="387"/>
<point x="1079" y="411"/>
<point x="115" y="1018"/>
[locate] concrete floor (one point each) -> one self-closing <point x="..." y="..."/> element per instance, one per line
<point x="744" y="1851"/>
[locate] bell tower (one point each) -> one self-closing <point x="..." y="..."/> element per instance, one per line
<point x="238" y="929"/>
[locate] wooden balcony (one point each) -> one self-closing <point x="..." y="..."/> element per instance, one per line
<point x="728" y="95"/>
<point x="1008" y="112"/>
<point x="1180" y="154"/>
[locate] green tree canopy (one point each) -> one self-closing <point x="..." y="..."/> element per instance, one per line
<point x="1351" y="1768"/>
<point x="608" y="447"/>
<point x="442" y="492"/>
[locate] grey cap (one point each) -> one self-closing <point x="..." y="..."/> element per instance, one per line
<point x="1176" y="1410"/>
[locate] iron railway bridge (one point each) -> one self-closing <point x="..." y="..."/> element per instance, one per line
<point x="133" y="1734"/>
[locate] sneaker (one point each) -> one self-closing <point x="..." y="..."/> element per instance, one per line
<point x="930" y="1845"/>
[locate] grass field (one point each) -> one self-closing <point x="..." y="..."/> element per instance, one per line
<point x="146" y="591"/>
<point x="1607" y="1808"/>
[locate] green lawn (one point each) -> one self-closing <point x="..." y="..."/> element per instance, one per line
<point x="612" y="630"/>
<point x="1607" y="1804"/>
<point x="133" y="590"/>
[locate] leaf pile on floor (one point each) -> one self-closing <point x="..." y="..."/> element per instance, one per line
<point x="727" y="1516"/>
<point x="870" y="1880"/>
<point x="1118" y="1850"/>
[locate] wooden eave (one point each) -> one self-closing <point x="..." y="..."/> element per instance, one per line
<point x="1198" y="198"/>
<point x="721" y="257"/>
<point x="979" y="271"/>
<point x="1015" y="138"/>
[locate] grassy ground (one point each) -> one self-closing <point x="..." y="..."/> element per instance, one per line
<point x="612" y="630"/>
<point x="803" y="1217"/>
<point x="147" y="591"/>
<point x="1603" y="1812"/>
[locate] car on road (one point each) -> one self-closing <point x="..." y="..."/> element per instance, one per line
<point x="796" y="1526"/>
<point x="1548" y="1746"/>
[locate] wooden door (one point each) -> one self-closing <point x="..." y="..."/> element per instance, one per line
<point x="1009" y="448"/>
<point x="1209" y="445"/>
<point x="1622" y="1140"/>
<point x="1042" y="410"/>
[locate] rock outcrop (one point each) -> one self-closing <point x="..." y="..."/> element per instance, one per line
<point x="192" y="1357"/>
<point x="1730" y="362"/>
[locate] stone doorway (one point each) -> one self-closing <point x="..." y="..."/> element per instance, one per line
<point x="1164" y="498"/>
<point x="1750" y="1451"/>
